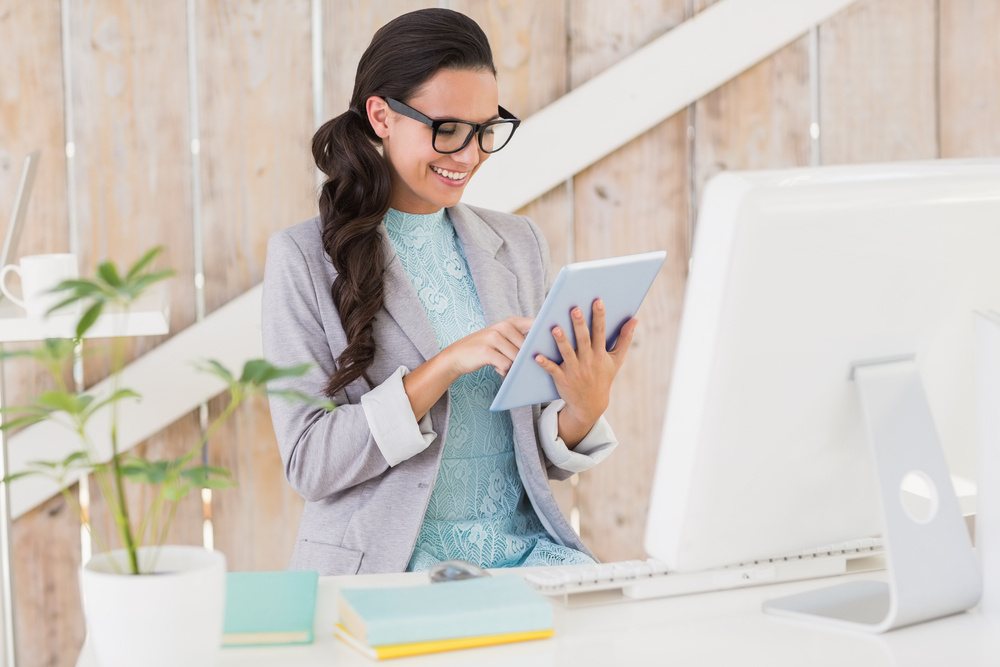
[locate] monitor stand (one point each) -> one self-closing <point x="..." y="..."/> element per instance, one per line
<point x="932" y="570"/>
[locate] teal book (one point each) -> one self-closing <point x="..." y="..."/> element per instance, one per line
<point x="269" y="608"/>
<point x="498" y="605"/>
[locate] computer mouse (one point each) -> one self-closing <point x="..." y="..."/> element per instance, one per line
<point x="455" y="570"/>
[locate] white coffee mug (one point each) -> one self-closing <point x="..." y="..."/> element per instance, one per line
<point x="39" y="274"/>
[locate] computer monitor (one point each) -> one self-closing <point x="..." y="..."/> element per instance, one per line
<point x="797" y="276"/>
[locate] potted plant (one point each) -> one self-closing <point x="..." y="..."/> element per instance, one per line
<point x="147" y="603"/>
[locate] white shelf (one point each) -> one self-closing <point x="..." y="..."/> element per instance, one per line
<point x="150" y="316"/>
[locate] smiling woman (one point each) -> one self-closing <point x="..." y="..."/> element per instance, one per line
<point x="412" y="306"/>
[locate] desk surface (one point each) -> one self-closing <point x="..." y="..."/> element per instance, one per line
<point x="722" y="628"/>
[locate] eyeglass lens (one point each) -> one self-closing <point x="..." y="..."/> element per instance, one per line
<point x="453" y="136"/>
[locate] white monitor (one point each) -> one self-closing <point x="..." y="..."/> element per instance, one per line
<point x="796" y="276"/>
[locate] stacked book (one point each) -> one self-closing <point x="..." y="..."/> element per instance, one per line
<point x="412" y="620"/>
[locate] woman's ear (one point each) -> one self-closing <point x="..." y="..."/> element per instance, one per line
<point x="378" y="113"/>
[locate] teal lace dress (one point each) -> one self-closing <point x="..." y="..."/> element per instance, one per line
<point x="478" y="510"/>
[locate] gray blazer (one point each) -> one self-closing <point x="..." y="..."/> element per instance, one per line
<point x="361" y="515"/>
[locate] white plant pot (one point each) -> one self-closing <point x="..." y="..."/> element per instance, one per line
<point x="172" y="618"/>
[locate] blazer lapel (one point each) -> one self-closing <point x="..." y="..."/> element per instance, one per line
<point x="495" y="283"/>
<point x="403" y="304"/>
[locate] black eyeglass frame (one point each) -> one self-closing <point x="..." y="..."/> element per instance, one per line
<point x="506" y="117"/>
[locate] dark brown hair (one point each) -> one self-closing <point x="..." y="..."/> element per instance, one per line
<point x="403" y="55"/>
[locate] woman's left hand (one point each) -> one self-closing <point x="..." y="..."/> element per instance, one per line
<point x="584" y="377"/>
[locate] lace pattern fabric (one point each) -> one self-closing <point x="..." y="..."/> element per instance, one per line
<point x="478" y="510"/>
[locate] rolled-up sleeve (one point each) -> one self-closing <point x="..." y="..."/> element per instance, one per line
<point x="397" y="433"/>
<point x="596" y="446"/>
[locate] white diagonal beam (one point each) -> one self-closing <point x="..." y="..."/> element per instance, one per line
<point x="640" y="92"/>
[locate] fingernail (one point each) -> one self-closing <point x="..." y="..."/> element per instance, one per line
<point x="556" y="331"/>
<point x="599" y="304"/>
<point x="577" y="313"/>
<point x="539" y="358"/>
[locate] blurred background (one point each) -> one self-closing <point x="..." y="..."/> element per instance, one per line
<point x="188" y="125"/>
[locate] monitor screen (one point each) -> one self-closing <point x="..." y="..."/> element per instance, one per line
<point x="797" y="276"/>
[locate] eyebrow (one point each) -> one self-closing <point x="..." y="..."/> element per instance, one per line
<point x="496" y="116"/>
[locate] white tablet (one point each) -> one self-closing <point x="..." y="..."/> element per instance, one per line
<point x="622" y="282"/>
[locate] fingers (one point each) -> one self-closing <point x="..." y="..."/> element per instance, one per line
<point x="565" y="347"/>
<point x="620" y="349"/>
<point x="501" y="341"/>
<point x="549" y="366"/>
<point x="521" y="324"/>
<point x="582" y="332"/>
<point x="598" y="327"/>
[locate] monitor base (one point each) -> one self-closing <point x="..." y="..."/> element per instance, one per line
<point x="931" y="567"/>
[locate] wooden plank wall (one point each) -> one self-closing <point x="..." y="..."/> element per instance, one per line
<point x="255" y="106"/>
<point x="45" y="542"/>
<point x="898" y="79"/>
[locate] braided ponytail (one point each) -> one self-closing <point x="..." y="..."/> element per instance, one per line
<point x="402" y="56"/>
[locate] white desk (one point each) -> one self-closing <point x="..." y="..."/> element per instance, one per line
<point x="725" y="628"/>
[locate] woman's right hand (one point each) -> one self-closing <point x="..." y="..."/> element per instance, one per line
<point x="495" y="346"/>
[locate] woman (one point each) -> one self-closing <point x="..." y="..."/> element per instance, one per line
<point x="412" y="307"/>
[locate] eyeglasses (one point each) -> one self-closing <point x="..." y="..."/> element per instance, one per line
<point x="451" y="136"/>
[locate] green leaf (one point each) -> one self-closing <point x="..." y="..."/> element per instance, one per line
<point x="62" y="304"/>
<point x="257" y="372"/>
<point x="299" y="397"/>
<point x="113" y="398"/>
<point x="89" y="318"/>
<point x="80" y="287"/>
<point x="210" y="477"/>
<point x="24" y="421"/>
<point x="61" y="400"/>
<point x="143" y="262"/>
<point x="141" y="283"/>
<point x="215" y="368"/>
<point x="13" y="354"/>
<point x="57" y="349"/>
<point x="146" y="472"/>
<point x="18" y="475"/>
<point x="108" y="272"/>
<point x="51" y="350"/>
<point x="176" y="491"/>
<point x="74" y="460"/>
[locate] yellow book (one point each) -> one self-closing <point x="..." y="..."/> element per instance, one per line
<point x="420" y="648"/>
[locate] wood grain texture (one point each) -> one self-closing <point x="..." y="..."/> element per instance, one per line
<point x="133" y="174"/>
<point x="877" y="63"/>
<point x="759" y="120"/>
<point x="31" y="117"/>
<point x="45" y="542"/>
<point x="255" y="106"/>
<point x="634" y="200"/>
<point x="528" y="40"/>
<point x="348" y="27"/>
<point x="969" y="78"/>
<point x="48" y="618"/>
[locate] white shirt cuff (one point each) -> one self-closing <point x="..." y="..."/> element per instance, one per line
<point x="390" y="418"/>
<point x="594" y="448"/>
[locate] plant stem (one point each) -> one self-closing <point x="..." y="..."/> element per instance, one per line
<point x="235" y="398"/>
<point x="125" y="526"/>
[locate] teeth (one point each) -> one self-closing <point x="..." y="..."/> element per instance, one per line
<point x="452" y="175"/>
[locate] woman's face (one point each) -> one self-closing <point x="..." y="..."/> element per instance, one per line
<point x="423" y="180"/>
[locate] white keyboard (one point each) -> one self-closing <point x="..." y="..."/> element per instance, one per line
<point x="637" y="579"/>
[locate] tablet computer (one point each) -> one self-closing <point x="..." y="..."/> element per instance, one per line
<point x="622" y="282"/>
